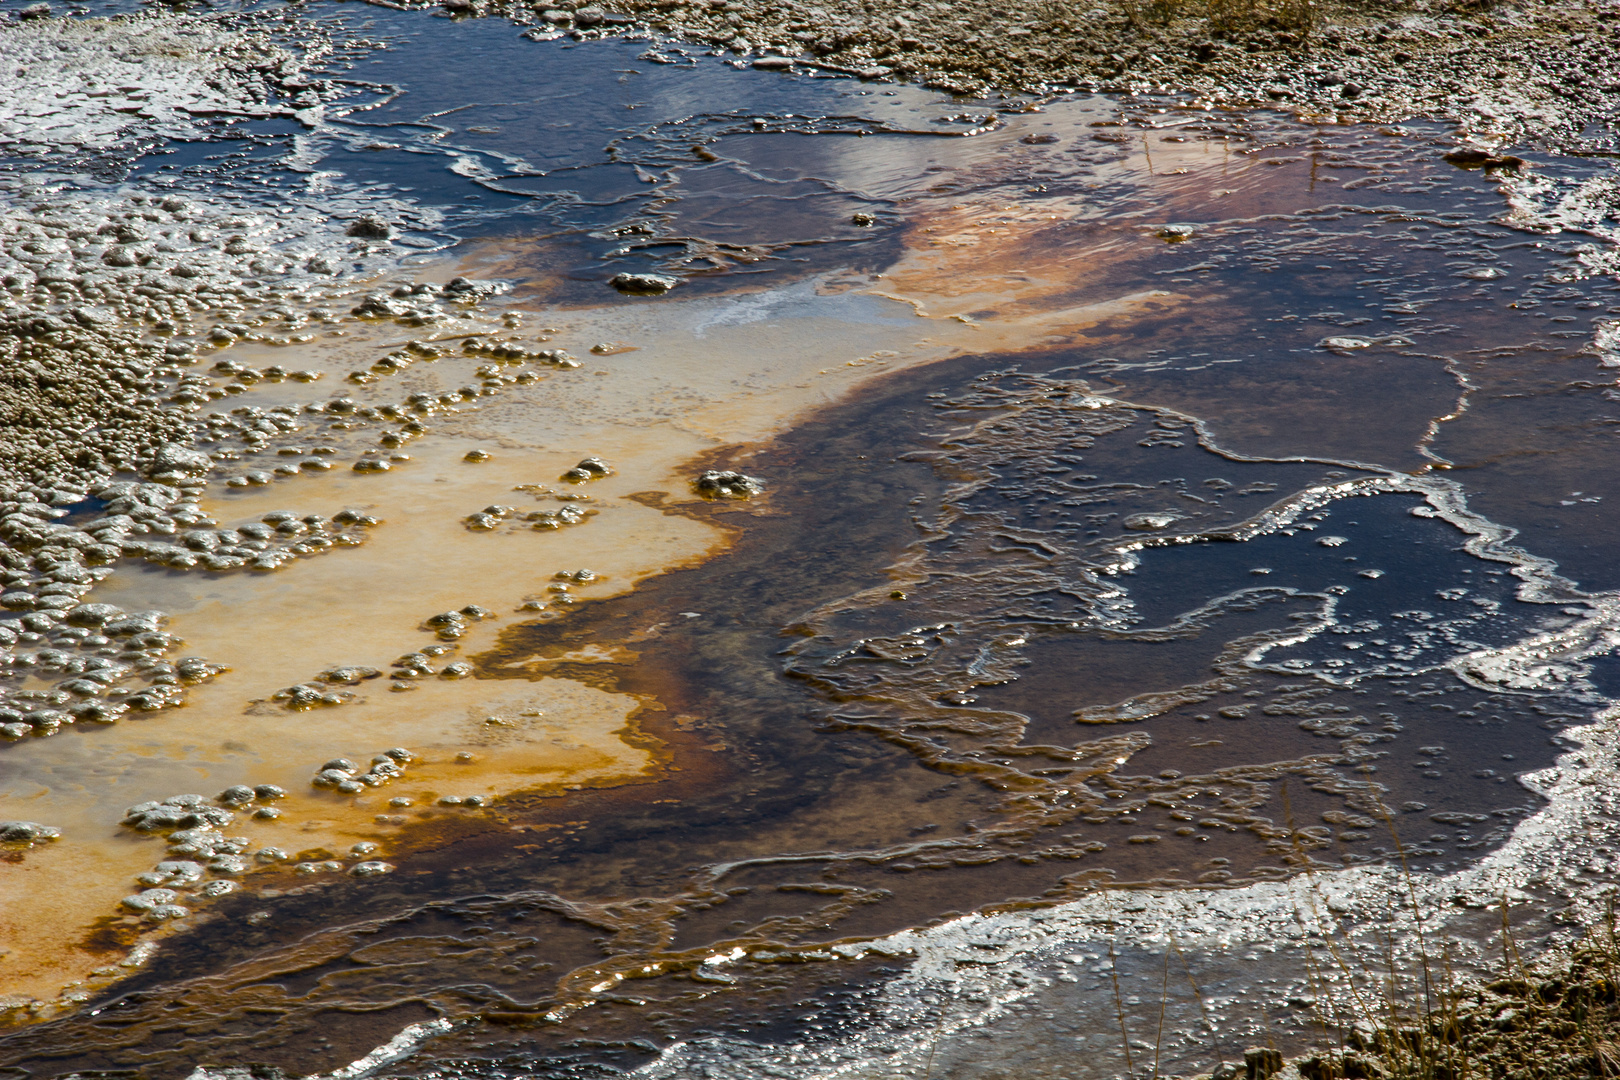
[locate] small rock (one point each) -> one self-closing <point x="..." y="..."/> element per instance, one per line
<point x="236" y="794"/>
<point x="149" y="899"/>
<point x="1481" y="159"/>
<point x="727" y="484"/>
<point x="773" y="63"/>
<point x="172" y="872"/>
<point x="588" y="469"/>
<point x="372" y="228"/>
<point x="1343" y="344"/>
<point x="643" y="284"/>
<point x="175" y="458"/>
<point x="27" y="832"/>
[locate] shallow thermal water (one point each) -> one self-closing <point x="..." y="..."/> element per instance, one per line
<point x="1184" y="540"/>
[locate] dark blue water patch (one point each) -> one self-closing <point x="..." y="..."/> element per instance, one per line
<point x="1407" y="594"/>
<point x="238" y="144"/>
<point x="426" y="177"/>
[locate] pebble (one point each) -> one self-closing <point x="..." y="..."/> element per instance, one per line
<point x="590" y="468"/>
<point x="27" y="832"/>
<point x="643" y="284"/>
<point x="148" y="899"/>
<point x="727" y="484"/>
<point x="329" y="866"/>
<point x="348" y="675"/>
<point x="1469" y="158"/>
<point x="545" y="520"/>
<point x="369" y="228"/>
<point x="177" y="812"/>
<point x="1343" y="344"/>
<point x="345" y="776"/>
<point x="172" y="872"/>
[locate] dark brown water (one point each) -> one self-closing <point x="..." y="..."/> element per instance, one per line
<point x="1185" y="596"/>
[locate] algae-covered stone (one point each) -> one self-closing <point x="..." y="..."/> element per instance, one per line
<point x="27" y="832"/>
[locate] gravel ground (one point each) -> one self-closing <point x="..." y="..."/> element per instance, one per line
<point x="1506" y="72"/>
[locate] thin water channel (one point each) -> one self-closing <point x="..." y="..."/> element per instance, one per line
<point x="1128" y="525"/>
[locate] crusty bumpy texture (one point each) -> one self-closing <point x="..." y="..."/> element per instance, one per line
<point x="1506" y="71"/>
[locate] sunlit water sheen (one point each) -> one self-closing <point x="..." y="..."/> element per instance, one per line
<point x="1165" y="513"/>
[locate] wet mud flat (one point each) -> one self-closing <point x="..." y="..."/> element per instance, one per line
<point x="1155" y="576"/>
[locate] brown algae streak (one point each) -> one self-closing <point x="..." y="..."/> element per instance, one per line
<point x="471" y="522"/>
<point x="394" y="498"/>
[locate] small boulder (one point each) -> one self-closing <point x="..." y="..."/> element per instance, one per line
<point x="176" y="458"/>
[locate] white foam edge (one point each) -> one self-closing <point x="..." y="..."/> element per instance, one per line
<point x="1580" y="816"/>
<point x="396" y="1049"/>
<point x="1353" y="904"/>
